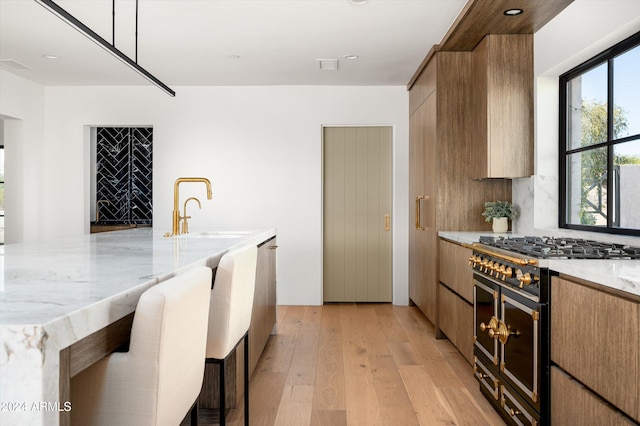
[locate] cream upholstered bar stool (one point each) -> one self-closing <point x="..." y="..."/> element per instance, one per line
<point x="159" y="379"/>
<point x="230" y="315"/>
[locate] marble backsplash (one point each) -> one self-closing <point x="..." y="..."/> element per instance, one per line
<point x="536" y="199"/>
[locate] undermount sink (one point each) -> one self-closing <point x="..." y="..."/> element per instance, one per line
<point x="216" y="234"/>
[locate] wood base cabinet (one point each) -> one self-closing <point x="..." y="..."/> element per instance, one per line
<point x="454" y="270"/>
<point x="573" y="404"/>
<point x="455" y="318"/>
<point x="455" y="296"/>
<point x="594" y="338"/>
<point x="263" y="323"/>
<point x="263" y="318"/>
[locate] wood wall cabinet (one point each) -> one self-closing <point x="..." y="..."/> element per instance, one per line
<point x="594" y="338"/>
<point x="455" y="296"/>
<point x="443" y="194"/>
<point x="503" y="106"/>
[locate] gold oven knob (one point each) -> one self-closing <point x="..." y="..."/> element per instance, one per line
<point x="484" y="264"/>
<point x="508" y="272"/>
<point x="490" y="268"/>
<point x="493" y="325"/>
<point x="525" y="279"/>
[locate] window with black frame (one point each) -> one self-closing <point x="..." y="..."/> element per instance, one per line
<point x="600" y="142"/>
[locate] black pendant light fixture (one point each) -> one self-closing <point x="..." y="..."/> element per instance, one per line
<point x="91" y="35"/>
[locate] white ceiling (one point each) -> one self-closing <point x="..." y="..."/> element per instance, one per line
<point x="191" y="42"/>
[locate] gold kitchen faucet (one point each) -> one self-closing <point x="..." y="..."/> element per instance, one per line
<point x="185" y="224"/>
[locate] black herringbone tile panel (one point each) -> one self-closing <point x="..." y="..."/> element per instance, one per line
<point x="124" y="174"/>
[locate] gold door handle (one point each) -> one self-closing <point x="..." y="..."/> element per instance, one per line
<point x="387" y="222"/>
<point x="419" y="198"/>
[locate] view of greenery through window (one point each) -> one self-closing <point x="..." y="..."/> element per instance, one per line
<point x="603" y="143"/>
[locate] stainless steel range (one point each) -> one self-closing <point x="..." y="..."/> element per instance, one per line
<point x="511" y="317"/>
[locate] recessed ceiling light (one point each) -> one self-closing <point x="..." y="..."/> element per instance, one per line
<point x="49" y="56"/>
<point x="351" y="57"/>
<point x="358" y="2"/>
<point x="513" y="12"/>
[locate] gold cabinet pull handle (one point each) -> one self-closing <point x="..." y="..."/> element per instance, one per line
<point x="387" y="222"/>
<point x="419" y="227"/>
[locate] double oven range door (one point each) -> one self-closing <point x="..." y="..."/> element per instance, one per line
<point x="508" y="359"/>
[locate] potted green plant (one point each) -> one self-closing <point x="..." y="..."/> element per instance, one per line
<point x="499" y="212"/>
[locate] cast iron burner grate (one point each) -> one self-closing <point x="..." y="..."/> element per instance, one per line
<point x="562" y="248"/>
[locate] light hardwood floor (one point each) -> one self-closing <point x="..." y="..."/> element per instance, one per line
<point x="361" y="364"/>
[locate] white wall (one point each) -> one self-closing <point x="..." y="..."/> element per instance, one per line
<point x="22" y="110"/>
<point x="584" y="29"/>
<point x="260" y="146"/>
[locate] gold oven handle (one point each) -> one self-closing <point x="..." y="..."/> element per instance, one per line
<point x="419" y="227"/>
<point x="503" y="332"/>
<point x="516" y="260"/>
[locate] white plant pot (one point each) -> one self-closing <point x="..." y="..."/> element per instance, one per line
<point x="500" y="224"/>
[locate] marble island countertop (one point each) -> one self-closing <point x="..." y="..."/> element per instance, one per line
<point x="41" y="283"/>
<point x="54" y="294"/>
<point x="622" y="275"/>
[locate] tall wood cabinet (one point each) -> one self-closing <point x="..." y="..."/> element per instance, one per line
<point x="443" y="130"/>
<point x="423" y="235"/>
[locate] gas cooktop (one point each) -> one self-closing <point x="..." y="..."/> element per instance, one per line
<point x="562" y="248"/>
